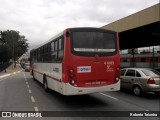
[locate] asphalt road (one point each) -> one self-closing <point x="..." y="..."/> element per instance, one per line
<point x="19" y="92"/>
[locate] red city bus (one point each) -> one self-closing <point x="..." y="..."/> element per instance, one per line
<point x="78" y="61"/>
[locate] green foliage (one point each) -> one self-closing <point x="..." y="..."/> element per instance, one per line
<point x="4" y="53"/>
<point x="12" y="45"/>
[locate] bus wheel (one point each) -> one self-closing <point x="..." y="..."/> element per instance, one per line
<point x="33" y="75"/>
<point x="45" y="84"/>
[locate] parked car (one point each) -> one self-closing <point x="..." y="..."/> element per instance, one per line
<point x="22" y="65"/>
<point x="140" y="80"/>
<point x="27" y="67"/>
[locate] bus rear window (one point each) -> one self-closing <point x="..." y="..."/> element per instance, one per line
<point x="94" y="42"/>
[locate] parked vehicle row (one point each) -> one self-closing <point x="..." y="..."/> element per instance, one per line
<point x="26" y="66"/>
<point x="140" y="80"/>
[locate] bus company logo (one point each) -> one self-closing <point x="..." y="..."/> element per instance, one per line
<point x="6" y="114"/>
<point x="84" y="69"/>
<point x="21" y="114"/>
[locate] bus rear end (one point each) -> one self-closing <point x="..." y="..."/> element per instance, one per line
<point x="91" y="61"/>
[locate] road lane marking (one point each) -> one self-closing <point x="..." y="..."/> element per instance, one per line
<point x="36" y="109"/>
<point x="5" y="76"/>
<point x="30" y="91"/>
<point x="18" y="71"/>
<point x="32" y="99"/>
<point x="146" y="110"/>
<point x="124" y="101"/>
<point x="109" y="96"/>
<point x="28" y="86"/>
<point x="24" y="76"/>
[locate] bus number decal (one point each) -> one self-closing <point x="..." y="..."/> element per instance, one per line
<point x="56" y="69"/>
<point x="84" y="69"/>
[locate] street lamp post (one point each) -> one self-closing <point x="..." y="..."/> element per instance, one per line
<point x="13" y="49"/>
<point x="133" y="52"/>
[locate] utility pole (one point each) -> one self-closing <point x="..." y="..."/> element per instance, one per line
<point x="13" y="49"/>
<point x="133" y="57"/>
<point x="153" y="58"/>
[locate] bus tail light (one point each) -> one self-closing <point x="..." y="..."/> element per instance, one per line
<point x="117" y="78"/>
<point x="72" y="77"/>
<point x="150" y="81"/>
<point x="73" y="82"/>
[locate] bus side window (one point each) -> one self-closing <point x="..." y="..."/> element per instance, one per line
<point x="52" y="46"/>
<point x="54" y="52"/>
<point x="60" y="49"/>
<point x="60" y="44"/>
<point x="39" y="57"/>
<point x="56" y="45"/>
<point x="57" y="50"/>
<point x="46" y="54"/>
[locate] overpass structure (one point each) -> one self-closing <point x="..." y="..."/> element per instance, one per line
<point x="141" y="29"/>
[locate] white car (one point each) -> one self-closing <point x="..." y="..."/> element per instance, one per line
<point x="140" y="80"/>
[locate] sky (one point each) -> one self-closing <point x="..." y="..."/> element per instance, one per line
<point x="39" y="20"/>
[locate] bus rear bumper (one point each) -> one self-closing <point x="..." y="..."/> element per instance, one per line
<point x="71" y="90"/>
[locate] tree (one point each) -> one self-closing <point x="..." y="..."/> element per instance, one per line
<point x="12" y="43"/>
<point x="4" y="53"/>
<point x="22" y="46"/>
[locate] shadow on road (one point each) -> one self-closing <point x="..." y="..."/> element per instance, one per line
<point x="146" y="95"/>
<point x="79" y="101"/>
<point x="76" y="101"/>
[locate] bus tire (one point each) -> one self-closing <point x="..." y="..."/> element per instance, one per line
<point x="45" y="84"/>
<point x="33" y="75"/>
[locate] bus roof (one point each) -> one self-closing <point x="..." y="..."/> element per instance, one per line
<point x="58" y="35"/>
<point x="61" y="33"/>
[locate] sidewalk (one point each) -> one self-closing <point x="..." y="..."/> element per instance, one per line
<point x="10" y="70"/>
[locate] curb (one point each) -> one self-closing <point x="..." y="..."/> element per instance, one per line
<point x="6" y="75"/>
